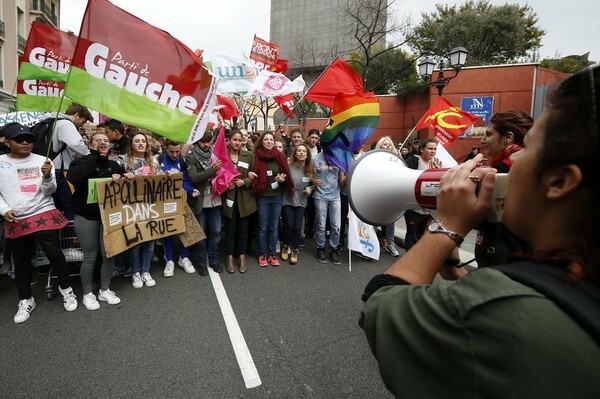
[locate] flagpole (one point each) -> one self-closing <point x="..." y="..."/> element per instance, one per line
<point x="349" y="260"/>
<point x="304" y="95"/>
<point x="11" y="96"/>
<point x="407" y="137"/>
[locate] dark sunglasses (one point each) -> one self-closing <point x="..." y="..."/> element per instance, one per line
<point x="23" y="138"/>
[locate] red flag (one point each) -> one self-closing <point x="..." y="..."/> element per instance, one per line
<point x="43" y="68"/>
<point x="264" y="53"/>
<point x="220" y="183"/>
<point x="280" y="66"/>
<point x="139" y="74"/>
<point x="286" y="103"/>
<point x="227" y="108"/>
<point x="447" y="120"/>
<point x="337" y="78"/>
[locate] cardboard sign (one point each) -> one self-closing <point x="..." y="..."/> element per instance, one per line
<point x="92" y="197"/>
<point x="193" y="232"/>
<point x="143" y="209"/>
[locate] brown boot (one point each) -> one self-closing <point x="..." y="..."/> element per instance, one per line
<point x="284" y="252"/>
<point x="294" y="256"/>
<point x="243" y="267"/>
<point x="230" y="268"/>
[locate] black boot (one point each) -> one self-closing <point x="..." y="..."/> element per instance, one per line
<point x="334" y="256"/>
<point x="321" y="255"/>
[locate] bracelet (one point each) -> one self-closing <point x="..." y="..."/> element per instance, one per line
<point x="452" y="261"/>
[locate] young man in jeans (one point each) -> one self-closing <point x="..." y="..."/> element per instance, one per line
<point x="327" y="204"/>
<point x="26" y="187"/>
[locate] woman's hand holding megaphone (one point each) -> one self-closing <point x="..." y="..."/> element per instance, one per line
<point x="464" y="197"/>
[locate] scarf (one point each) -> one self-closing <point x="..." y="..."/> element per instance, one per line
<point x="259" y="184"/>
<point x="504" y="156"/>
<point x="203" y="157"/>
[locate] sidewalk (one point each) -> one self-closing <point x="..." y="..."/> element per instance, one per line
<point x="466" y="250"/>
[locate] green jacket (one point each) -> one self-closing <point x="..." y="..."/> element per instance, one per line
<point x="199" y="178"/>
<point x="245" y="200"/>
<point x="483" y="336"/>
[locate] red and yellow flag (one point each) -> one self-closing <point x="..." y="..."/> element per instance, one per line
<point x="447" y="120"/>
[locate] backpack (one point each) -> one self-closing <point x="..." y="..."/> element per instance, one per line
<point x="42" y="138"/>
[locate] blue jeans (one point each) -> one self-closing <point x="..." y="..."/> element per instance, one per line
<point x="333" y="209"/>
<point x="169" y="245"/>
<point x="210" y="221"/>
<point x="269" y="210"/>
<point x="389" y="231"/>
<point x="140" y="257"/>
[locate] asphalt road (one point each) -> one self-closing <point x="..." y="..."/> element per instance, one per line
<point x="170" y="341"/>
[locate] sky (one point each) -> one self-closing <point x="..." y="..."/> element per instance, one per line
<point x="228" y="26"/>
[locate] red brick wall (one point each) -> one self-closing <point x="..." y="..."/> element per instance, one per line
<point x="510" y="85"/>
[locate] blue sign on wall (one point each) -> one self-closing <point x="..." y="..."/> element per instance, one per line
<point x="480" y="106"/>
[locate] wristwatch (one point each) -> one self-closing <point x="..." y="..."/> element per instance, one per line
<point x="437" y="226"/>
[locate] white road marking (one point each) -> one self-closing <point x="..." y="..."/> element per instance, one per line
<point x="242" y="353"/>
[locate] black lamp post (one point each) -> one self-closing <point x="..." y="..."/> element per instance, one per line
<point x="457" y="57"/>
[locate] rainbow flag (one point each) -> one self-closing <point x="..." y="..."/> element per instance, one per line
<point x="354" y="118"/>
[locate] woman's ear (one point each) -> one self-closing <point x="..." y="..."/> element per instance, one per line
<point x="509" y="138"/>
<point x="562" y="181"/>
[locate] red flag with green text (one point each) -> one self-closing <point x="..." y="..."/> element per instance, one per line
<point x="139" y="74"/>
<point x="447" y="120"/>
<point x="44" y="67"/>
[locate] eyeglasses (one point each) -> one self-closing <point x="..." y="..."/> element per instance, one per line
<point x="23" y="138"/>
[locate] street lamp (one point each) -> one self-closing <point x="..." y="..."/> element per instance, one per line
<point x="457" y="57"/>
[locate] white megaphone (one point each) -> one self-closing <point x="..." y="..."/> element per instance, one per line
<point x="381" y="187"/>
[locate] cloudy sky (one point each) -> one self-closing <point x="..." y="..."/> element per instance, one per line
<point x="228" y="26"/>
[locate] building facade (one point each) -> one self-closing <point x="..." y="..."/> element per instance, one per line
<point x="483" y="90"/>
<point x="311" y="33"/>
<point x="16" y="17"/>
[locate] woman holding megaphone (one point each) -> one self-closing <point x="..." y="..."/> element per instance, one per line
<point x="526" y="329"/>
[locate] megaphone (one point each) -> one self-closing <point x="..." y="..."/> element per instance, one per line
<point x="381" y="187"/>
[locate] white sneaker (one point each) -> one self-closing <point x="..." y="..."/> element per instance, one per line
<point x="25" y="306"/>
<point x="109" y="296"/>
<point x="187" y="265"/>
<point x="136" y="280"/>
<point x="69" y="299"/>
<point x="169" y="269"/>
<point x="90" y="302"/>
<point x="148" y="280"/>
<point x="391" y="248"/>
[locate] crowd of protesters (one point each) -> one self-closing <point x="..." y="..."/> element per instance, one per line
<point x="286" y="191"/>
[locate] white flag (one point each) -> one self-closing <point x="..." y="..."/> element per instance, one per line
<point x="443" y="155"/>
<point x="273" y="84"/>
<point x="235" y="74"/>
<point x="362" y="237"/>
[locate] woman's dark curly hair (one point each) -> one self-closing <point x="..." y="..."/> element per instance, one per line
<point x="574" y="117"/>
<point x="514" y="121"/>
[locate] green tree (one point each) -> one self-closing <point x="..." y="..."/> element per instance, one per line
<point x="372" y="23"/>
<point x="493" y="34"/>
<point x="569" y="64"/>
<point x="392" y="71"/>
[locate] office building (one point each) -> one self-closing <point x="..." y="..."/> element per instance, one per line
<point x="16" y="17"/>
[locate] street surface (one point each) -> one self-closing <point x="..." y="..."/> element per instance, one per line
<point x="294" y="334"/>
<point x="300" y="325"/>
